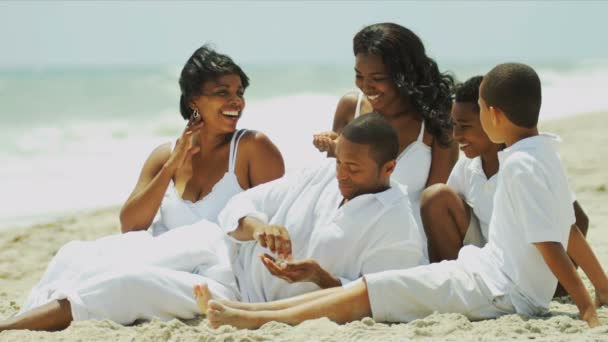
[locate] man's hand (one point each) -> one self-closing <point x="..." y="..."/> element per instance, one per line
<point x="275" y="238"/>
<point x="307" y="270"/>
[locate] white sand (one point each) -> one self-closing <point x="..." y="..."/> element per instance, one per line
<point x="24" y="254"/>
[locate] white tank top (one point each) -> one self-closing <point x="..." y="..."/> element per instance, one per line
<point x="176" y="212"/>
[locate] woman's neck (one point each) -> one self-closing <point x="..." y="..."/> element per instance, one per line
<point x="210" y="141"/>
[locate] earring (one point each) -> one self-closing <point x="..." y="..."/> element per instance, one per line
<point x="194" y="115"/>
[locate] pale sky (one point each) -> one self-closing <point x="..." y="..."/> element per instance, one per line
<point x="60" y="34"/>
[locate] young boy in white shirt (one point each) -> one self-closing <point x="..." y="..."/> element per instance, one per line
<point x="468" y="195"/>
<point x="515" y="272"/>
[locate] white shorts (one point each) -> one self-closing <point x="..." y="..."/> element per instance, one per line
<point x="473" y="235"/>
<point x="445" y="287"/>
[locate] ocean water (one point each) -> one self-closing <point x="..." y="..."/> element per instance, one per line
<point x="73" y="139"/>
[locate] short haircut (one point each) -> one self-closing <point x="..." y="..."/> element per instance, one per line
<point x="468" y="92"/>
<point x="373" y="130"/>
<point x="515" y="89"/>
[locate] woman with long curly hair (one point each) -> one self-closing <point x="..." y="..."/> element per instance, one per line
<point x="398" y="80"/>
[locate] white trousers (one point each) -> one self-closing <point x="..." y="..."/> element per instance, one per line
<point x="137" y="276"/>
<point x="445" y="287"/>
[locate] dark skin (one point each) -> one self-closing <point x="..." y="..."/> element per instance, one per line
<point x="445" y="233"/>
<point x="357" y="173"/>
<point x="204" y="144"/>
<point x="192" y="166"/>
<point x="373" y="79"/>
<point x="500" y="129"/>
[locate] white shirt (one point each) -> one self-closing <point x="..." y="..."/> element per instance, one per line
<point x="370" y="233"/>
<point x="532" y="204"/>
<point x="470" y="182"/>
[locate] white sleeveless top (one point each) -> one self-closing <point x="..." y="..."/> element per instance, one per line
<point x="176" y="212"/>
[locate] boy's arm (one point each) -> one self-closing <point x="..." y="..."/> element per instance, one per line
<point x="582" y="254"/>
<point x="560" y="264"/>
<point x="582" y="221"/>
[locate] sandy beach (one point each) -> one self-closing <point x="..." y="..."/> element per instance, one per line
<point x="25" y="253"/>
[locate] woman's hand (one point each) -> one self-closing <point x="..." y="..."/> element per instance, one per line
<point x="184" y="147"/>
<point x="325" y="142"/>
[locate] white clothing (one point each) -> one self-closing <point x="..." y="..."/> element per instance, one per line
<point x="439" y="287"/>
<point x="469" y="181"/>
<point x="177" y="212"/>
<point x="532" y="205"/>
<point x="140" y="276"/>
<point x="376" y="231"/>
<point x="412" y="170"/>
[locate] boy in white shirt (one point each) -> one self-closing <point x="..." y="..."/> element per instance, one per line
<point x="518" y="269"/>
<point x="468" y="195"/>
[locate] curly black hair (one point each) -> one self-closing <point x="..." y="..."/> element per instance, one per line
<point x="204" y="65"/>
<point x="469" y="91"/>
<point x="416" y="75"/>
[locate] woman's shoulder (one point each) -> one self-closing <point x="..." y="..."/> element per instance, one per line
<point x="347" y="105"/>
<point x="161" y="153"/>
<point x="256" y="142"/>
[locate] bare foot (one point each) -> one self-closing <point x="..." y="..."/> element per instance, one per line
<point x="202" y="296"/>
<point x="220" y="314"/>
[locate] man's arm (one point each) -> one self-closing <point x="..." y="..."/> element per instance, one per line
<point x="560" y="264"/>
<point x="275" y="238"/>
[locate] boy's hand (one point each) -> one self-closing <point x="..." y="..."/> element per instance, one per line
<point x="590" y="316"/>
<point x="562" y="267"/>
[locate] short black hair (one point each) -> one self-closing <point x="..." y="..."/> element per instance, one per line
<point x="373" y="130"/>
<point x="204" y="65"/>
<point x="515" y="89"/>
<point x="468" y="92"/>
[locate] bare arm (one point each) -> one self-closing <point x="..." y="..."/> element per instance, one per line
<point x="560" y="264"/>
<point x="345" y="113"/>
<point x="140" y="208"/>
<point x="580" y="251"/>
<point x="265" y="162"/>
<point x="582" y="221"/>
<point x="443" y="160"/>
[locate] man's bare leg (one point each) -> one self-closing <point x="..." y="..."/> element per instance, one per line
<point x="445" y="233"/>
<point x="56" y="315"/>
<point x="203" y="296"/>
<point x="341" y="306"/>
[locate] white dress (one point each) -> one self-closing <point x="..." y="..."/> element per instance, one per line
<point x="104" y="278"/>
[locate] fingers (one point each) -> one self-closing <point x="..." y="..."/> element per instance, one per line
<point x="276" y="239"/>
<point x="273" y="268"/>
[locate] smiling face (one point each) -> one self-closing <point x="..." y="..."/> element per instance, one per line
<point x="356" y="171"/>
<point x="467" y="131"/>
<point x="221" y="102"/>
<point x="374" y="80"/>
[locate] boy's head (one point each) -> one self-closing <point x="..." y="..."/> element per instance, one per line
<point x="365" y="155"/>
<point x="467" y="131"/>
<point x="509" y="99"/>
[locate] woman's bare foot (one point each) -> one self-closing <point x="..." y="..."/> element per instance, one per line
<point x="202" y="296"/>
<point x="220" y="314"/>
